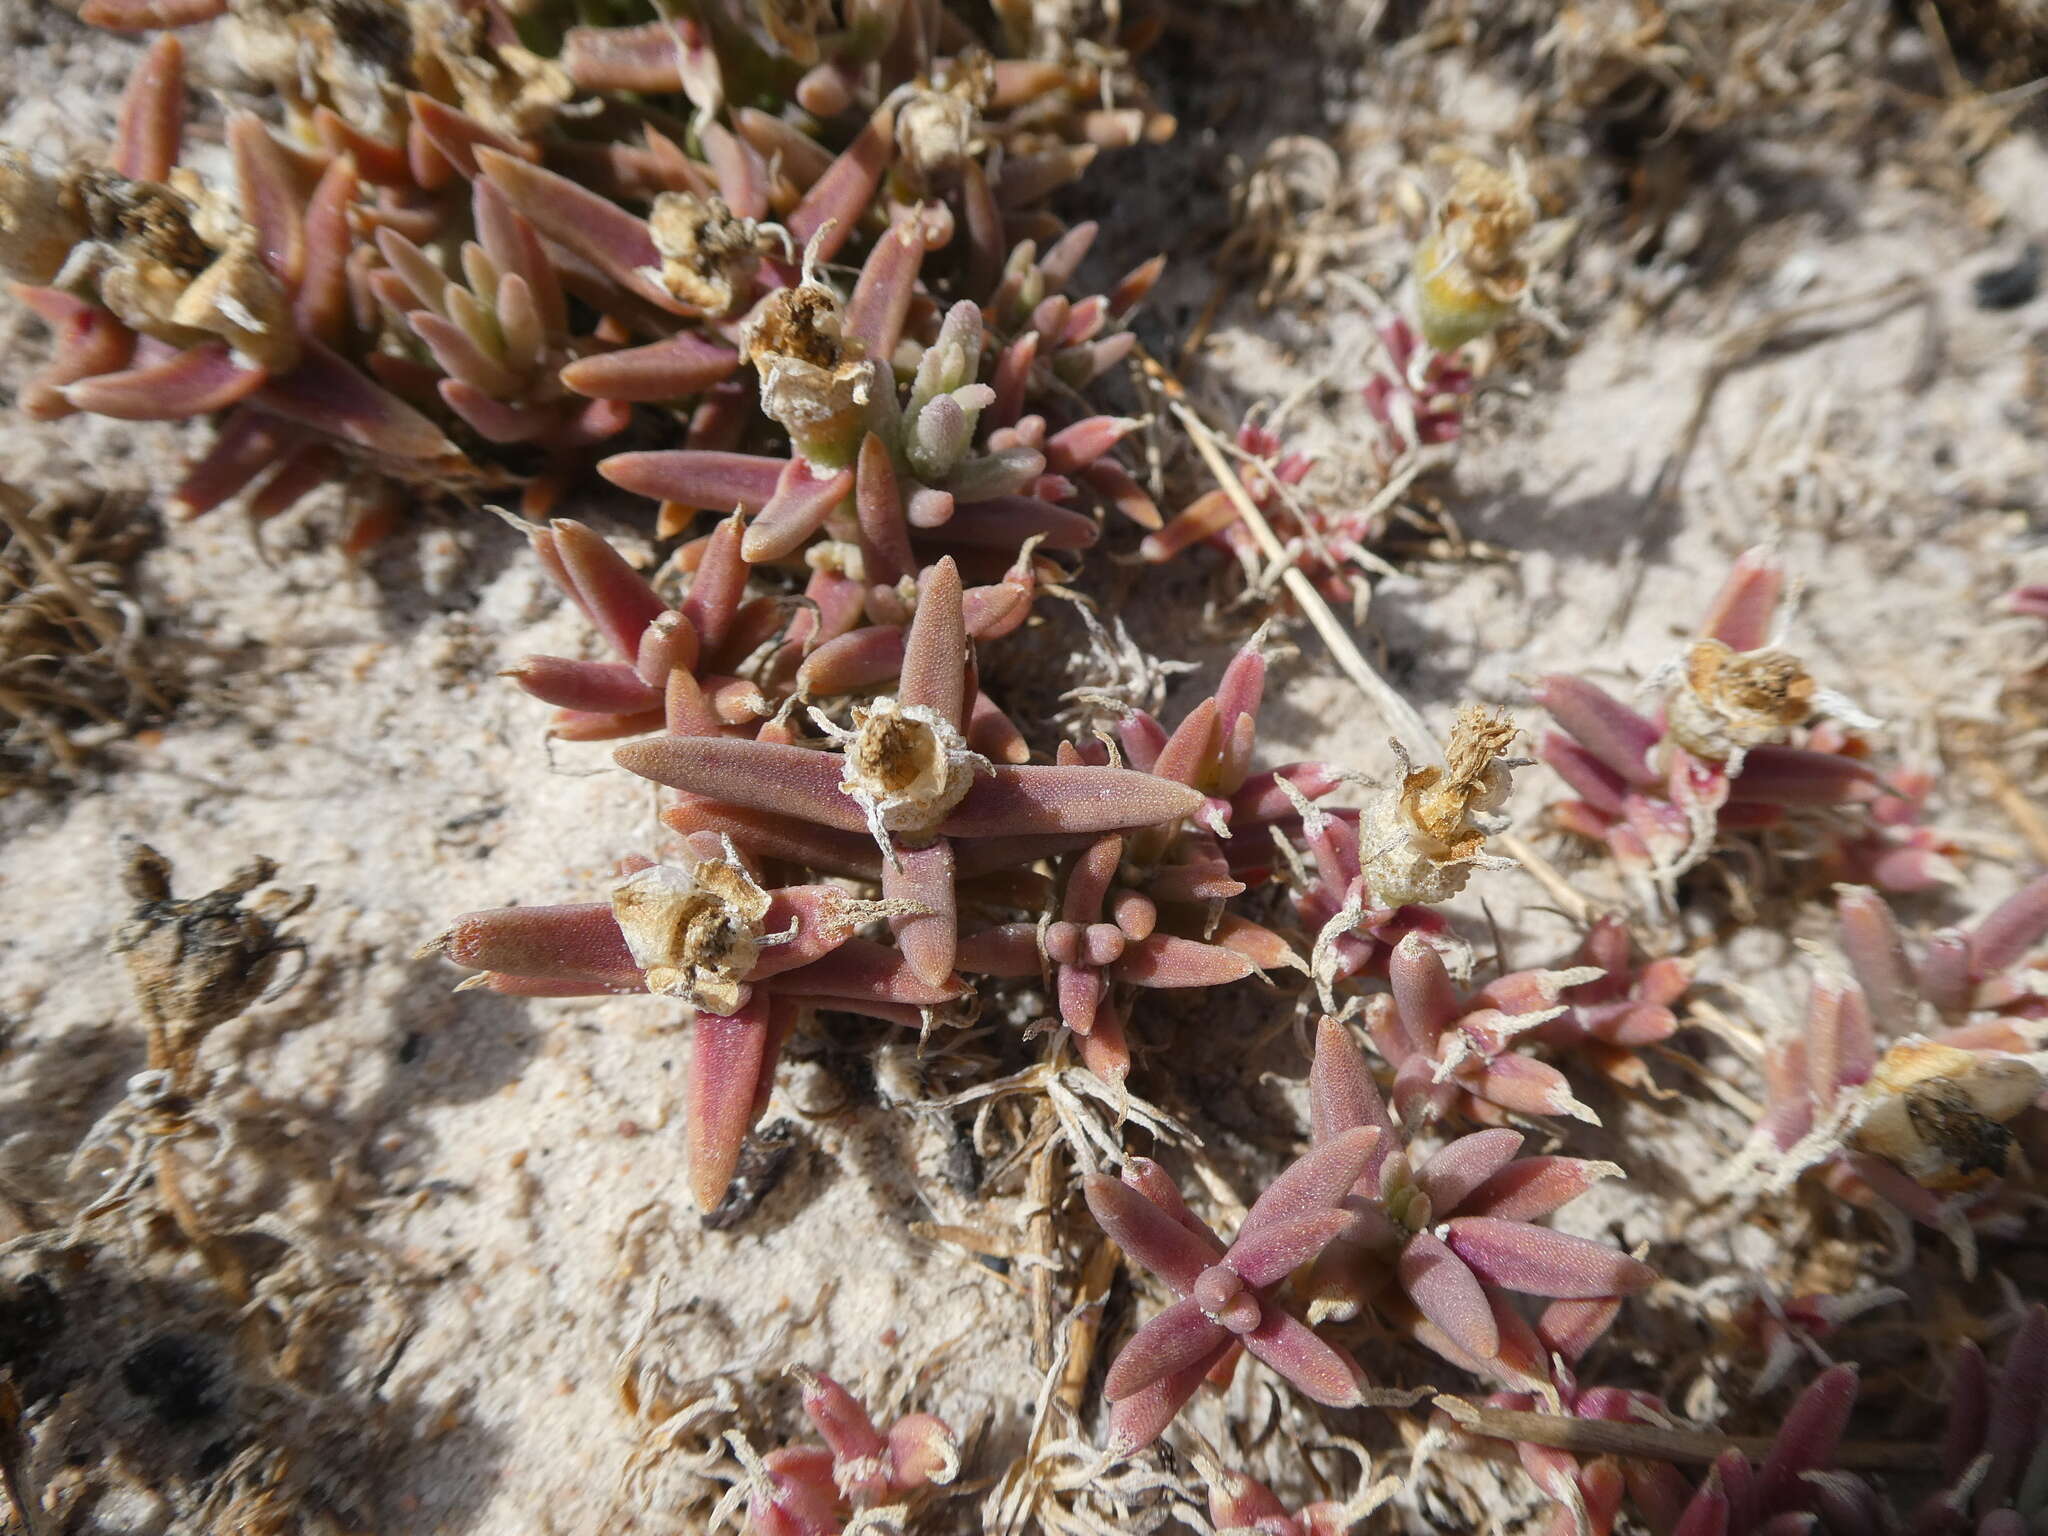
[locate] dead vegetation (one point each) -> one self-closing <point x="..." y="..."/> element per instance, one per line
<point x="74" y="672"/>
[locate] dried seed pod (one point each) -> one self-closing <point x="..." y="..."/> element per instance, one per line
<point x="815" y="380"/>
<point x="1422" y="839"/>
<point x="709" y="255"/>
<point x="907" y="766"/>
<point x="1940" y="1114"/>
<point x="1470" y="272"/>
<point x="1730" y="701"/>
<point x="696" y="931"/>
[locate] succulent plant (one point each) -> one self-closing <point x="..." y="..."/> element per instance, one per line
<point x="1903" y="1084"/>
<point x="746" y="959"/>
<point x="1437" y="1243"/>
<point x="862" y="1477"/>
<point x="1224" y="1295"/>
<point x="1746" y="741"/>
<point x="1240" y="1505"/>
<point x="326" y="358"/>
<point x="1326" y="544"/>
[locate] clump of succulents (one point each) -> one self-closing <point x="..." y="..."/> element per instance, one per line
<point x="1224" y="1295"/>
<point x="1745" y="742"/>
<point x="862" y="1478"/>
<point x="444" y="275"/>
<point x="1905" y="1087"/>
<point x="1987" y="1476"/>
<point x="1436" y="1243"/>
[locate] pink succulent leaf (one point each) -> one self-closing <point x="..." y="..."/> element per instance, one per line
<point x="594" y="227"/>
<point x="929" y="938"/>
<point x="728" y="1056"/>
<point x="935" y="652"/>
<point x="328" y="394"/>
<point x="1540" y="1262"/>
<point x="1152" y="1237"/>
<point x="802" y="500"/>
<point x="831" y="209"/>
<point x="1570" y="1328"/>
<point x="697" y="478"/>
<point x="1319" y="1369"/>
<point x="1342" y="1094"/>
<point x="1458" y="1169"/>
<point x="1141" y="1418"/>
<point x="1277" y="1249"/>
<point x="849" y="1433"/>
<point x="578" y="942"/>
<point x="1618" y="737"/>
<point x="1447" y="1292"/>
<point x="674" y="368"/>
<point x="1807" y="1440"/>
<point x="862" y="970"/>
<point x="1530" y="1187"/>
<point x="1177" y="1338"/>
<point x="193" y="382"/>
<point x="923" y="1451"/>
<point x="1745" y="608"/>
<point x="756" y="775"/>
<point x="1317" y="1180"/>
<point x="152" y="121"/>
<point x="1066" y="799"/>
<point x="2003" y="939"/>
<point x="2014" y="1431"/>
<point x="1163" y="960"/>
<point x="1153" y="1182"/>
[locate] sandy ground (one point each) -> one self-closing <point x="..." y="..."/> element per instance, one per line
<point x="509" y="1220"/>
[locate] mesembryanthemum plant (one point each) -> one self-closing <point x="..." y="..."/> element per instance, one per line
<point x="1224" y="1295"/>
<point x="1903" y="1084"/>
<point x="1436" y="1244"/>
<point x="862" y="1478"/>
<point x="1745" y="742"/>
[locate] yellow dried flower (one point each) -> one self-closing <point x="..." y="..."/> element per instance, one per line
<point x="1470" y="272"/>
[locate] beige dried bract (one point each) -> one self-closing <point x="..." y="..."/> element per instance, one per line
<point x="709" y="255"/>
<point x="41" y="220"/>
<point x="1470" y="269"/>
<point x="935" y="129"/>
<point x="696" y="932"/>
<point x="815" y="380"/>
<point x="198" y="963"/>
<point x="1940" y="1113"/>
<point x="1730" y="701"/>
<point x="1422" y="838"/>
<point x="907" y="766"/>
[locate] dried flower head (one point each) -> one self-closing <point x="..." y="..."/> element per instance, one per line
<point x="709" y="255"/>
<point x="815" y="379"/>
<point x="696" y="931"/>
<point x="1423" y="838"/>
<point x="1942" y="1115"/>
<point x="197" y="963"/>
<point x="1470" y="269"/>
<point x="1730" y="701"/>
<point x="906" y="765"/>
